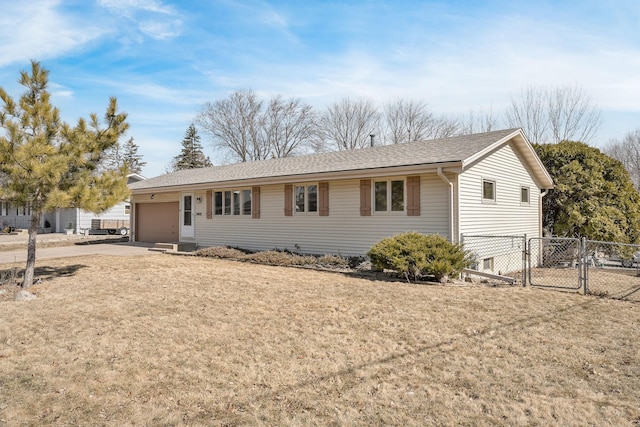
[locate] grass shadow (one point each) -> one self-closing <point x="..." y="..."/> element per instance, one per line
<point x="14" y="275"/>
<point x="103" y="241"/>
<point x="46" y="272"/>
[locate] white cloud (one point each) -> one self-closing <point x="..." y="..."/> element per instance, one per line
<point x="152" y="18"/>
<point x="36" y="30"/>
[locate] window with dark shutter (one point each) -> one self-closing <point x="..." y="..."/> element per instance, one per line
<point x="255" y="199"/>
<point x="288" y="200"/>
<point x="413" y="196"/>
<point x="365" y="197"/>
<point x="323" y="190"/>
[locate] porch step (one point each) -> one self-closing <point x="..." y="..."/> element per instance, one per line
<point x="174" y="247"/>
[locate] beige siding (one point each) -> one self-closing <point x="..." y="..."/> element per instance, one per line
<point x="507" y="216"/>
<point x="344" y="231"/>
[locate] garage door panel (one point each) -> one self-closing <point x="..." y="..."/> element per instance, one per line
<point x="157" y="222"/>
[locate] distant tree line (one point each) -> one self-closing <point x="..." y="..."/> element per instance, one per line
<point x="243" y="127"/>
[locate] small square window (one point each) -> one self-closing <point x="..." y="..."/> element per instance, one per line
<point x="487" y="264"/>
<point x="488" y="190"/>
<point x="127" y="209"/>
<point x="524" y="195"/>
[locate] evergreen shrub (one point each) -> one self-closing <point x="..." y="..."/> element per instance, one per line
<point x="414" y="254"/>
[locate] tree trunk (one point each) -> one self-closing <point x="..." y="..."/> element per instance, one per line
<point x="31" y="250"/>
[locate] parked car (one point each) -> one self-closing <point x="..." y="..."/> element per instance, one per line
<point x="628" y="263"/>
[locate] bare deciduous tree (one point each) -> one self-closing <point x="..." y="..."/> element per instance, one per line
<point x="553" y="115"/>
<point x="407" y="121"/>
<point x="477" y="122"/>
<point x="627" y="151"/>
<point x="235" y="124"/>
<point x="411" y="120"/>
<point x="288" y="125"/>
<point x="348" y="124"/>
<point x="573" y="116"/>
<point x="250" y="130"/>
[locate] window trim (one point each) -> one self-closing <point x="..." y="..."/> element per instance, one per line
<point x="486" y="199"/>
<point x="389" y="200"/>
<point x="306" y="210"/>
<point x="528" y="190"/>
<point x="227" y="207"/>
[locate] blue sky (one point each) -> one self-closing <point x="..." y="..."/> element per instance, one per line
<point x="164" y="59"/>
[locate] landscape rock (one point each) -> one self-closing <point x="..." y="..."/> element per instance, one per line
<point x="24" y="296"/>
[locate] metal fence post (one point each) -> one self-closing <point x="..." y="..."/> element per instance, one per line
<point x="525" y="252"/>
<point x="585" y="263"/>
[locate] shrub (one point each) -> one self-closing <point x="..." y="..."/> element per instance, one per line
<point x="333" y="261"/>
<point x="275" y="257"/>
<point x="220" y="252"/>
<point x="414" y="254"/>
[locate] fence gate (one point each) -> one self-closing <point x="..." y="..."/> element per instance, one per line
<point x="556" y="262"/>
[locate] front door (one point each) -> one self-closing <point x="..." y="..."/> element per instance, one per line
<point x="187" y="220"/>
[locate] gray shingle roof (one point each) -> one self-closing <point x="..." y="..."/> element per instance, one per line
<point x="444" y="150"/>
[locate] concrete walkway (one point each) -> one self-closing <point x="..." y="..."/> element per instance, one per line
<point x="118" y="249"/>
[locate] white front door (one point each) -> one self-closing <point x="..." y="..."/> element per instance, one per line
<point x="187" y="219"/>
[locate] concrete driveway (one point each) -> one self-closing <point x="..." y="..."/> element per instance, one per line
<point x="117" y="249"/>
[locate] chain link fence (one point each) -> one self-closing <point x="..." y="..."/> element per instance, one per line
<point x="613" y="269"/>
<point x="606" y="269"/>
<point x="498" y="257"/>
<point x="555" y="263"/>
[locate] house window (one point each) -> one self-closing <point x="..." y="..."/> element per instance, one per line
<point x="23" y="210"/>
<point x="127" y="209"/>
<point x="306" y="198"/>
<point x="232" y="203"/>
<point x="227" y="202"/>
<point x="187" y="211"/>
<point x="217" y="203"/>
<point x="246" y="202"/>
<point x="524" y="195"/>
<point x="488" y="190"/>
<point x="388" y="196"/>
<point x="487" y="264"/>
<point x="2" y="205"/>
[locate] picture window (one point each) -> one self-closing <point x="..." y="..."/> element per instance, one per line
<point x="388" y="196"/>
<point x="306" y="198"/>
<point x="232" y="202"/>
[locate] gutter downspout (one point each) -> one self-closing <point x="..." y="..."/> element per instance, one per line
<point x="451" y="225"/>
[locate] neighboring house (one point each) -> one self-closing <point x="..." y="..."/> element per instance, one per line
<point x="59" y="220"/>
<point x="343" y="202"/>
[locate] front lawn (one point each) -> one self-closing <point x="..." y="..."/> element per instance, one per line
<point x="166" y="340"/>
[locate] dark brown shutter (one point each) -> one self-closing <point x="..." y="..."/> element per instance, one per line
<point x="288" y="200"/>
<point x="365" y="197"/>
<point x="255" y="202"/>
<point x="209" y="204"/>
<point x="413" y="196"/>
<point x="323" y="196"/>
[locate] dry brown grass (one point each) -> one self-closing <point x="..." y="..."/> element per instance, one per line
<point x="165" y="340"/>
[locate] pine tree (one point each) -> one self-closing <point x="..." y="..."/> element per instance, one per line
<point x="191" y="156"/>
<point x="126" y="154"/>
<point x="131" y="158"/>
<point x="47" y="164"/>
